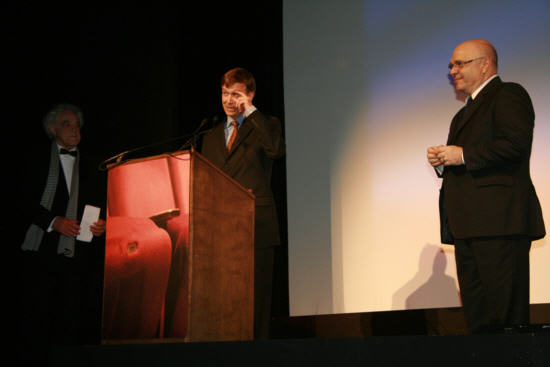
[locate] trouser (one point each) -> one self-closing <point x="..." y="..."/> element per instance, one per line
<point x="263" y="281"/>
<point x="493" y="275"/>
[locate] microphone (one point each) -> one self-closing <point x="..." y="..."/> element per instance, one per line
<point x="192" y="141"/>
<point x="118" y="157"/>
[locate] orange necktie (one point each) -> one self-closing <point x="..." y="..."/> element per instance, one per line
<point x="233" y="135"/>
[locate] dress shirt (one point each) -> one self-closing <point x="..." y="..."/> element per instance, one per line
<point x="67" y="163"/>
<point x="228" y="130"/>
<point x="476" y="92"/>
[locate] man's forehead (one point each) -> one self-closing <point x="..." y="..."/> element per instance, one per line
<point x="66" y="115"/>
<point x="234" y="87"/>
<point x="465" y="50"/>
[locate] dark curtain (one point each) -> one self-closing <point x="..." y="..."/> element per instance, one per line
<point x="141" y="76"/>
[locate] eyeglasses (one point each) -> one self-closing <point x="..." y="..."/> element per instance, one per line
<point x="460" y="64"/>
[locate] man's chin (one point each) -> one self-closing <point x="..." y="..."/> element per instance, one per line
<point x="72" y="144"/>
<point x="460" y="86"/>
<point x="232" y="113"/>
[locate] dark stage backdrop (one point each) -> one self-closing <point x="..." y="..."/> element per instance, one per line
<point x="141" y="76"/>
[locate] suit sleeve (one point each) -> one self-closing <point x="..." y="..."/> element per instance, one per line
<point x="269" y="130"/>
<point x="30" y="179"/>
<point x="42" y="217"/>
<point x="512" y="132"/>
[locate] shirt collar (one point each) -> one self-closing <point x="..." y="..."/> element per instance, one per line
<point x="476" y="92"/>
<point x="59" y="147"/>
<point x="239" y="120"/>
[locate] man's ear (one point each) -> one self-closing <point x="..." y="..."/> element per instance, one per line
<point x="251" y="95"/>
<point x="486" y="64"/>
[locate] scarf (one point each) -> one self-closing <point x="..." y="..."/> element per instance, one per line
<point x="35" y="234"/>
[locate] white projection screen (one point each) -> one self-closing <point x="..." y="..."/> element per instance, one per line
<point x="366" y="92"/>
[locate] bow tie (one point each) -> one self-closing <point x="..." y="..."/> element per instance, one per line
<point x="65" y="151"/>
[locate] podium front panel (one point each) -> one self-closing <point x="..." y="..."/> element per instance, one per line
<point x="179" y="252"/>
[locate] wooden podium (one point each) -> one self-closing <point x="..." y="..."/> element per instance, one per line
<point x="179" y="256"/>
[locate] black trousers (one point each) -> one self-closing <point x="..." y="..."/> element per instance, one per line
<point x="263" y="284"/>
<point x="60" y="305"/>
<point x="493" y="275"/>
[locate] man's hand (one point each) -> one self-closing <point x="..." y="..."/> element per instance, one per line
<point x="243" y="101"/>
<point x="98" y="228"/>
<point x="450" y="155"/>
<point x="65" y="226"/>
<point x="433" y="159"/>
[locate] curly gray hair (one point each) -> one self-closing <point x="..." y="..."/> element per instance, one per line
<point x="51" y="116"/>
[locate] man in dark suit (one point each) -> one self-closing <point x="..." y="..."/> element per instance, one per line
<point x="244" y="146"/>
<point x="489" y="207"/>
<point x="61" y="275"/>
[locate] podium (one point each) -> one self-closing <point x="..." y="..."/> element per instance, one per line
<point x="179" y="252"/>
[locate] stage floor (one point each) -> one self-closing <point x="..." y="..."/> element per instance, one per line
<point x="435" y="337"/>
<point x="520" y="349"/>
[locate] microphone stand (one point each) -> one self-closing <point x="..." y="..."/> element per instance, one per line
<point x="117" y="159"/>
<point x="192" y="141"/>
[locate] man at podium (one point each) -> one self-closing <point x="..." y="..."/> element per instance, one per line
<point x="244" y="145"/>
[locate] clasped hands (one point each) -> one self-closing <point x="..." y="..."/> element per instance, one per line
<point x="71" y="228"/>
<point x="447" y="155"/>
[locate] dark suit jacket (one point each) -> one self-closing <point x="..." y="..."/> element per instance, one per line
<point x="31" y="180"/>
<point x="250" y="161"/>
<point x="492" y="194"/>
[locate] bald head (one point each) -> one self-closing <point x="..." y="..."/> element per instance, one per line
<point x="473" y="62"/>
<point x="483" y="48"/>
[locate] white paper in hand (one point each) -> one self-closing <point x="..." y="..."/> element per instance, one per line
<point x="90" y="216"/>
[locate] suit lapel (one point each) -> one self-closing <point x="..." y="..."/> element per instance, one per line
<point x="244" y="130"/>
<point x="219" y="136"/>
<point x="232" y="156"/>
<point x="465" y="115"/>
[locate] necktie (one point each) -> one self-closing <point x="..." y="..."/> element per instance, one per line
<point x="65" y="151"/>
<point x="467" y="105"/>
<point x="233" y="135"/>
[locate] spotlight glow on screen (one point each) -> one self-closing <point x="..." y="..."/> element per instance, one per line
<point x="366" y="92"/>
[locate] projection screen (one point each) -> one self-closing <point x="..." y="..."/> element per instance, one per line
<point x="366" y="92"/>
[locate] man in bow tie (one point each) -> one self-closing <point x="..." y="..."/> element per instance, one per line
<point x="488" y="206"/>
<point x="244" y="145"/>
<point x="61" y="281"/>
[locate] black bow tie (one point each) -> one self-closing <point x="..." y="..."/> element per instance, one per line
<point x="65" y="151"/>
